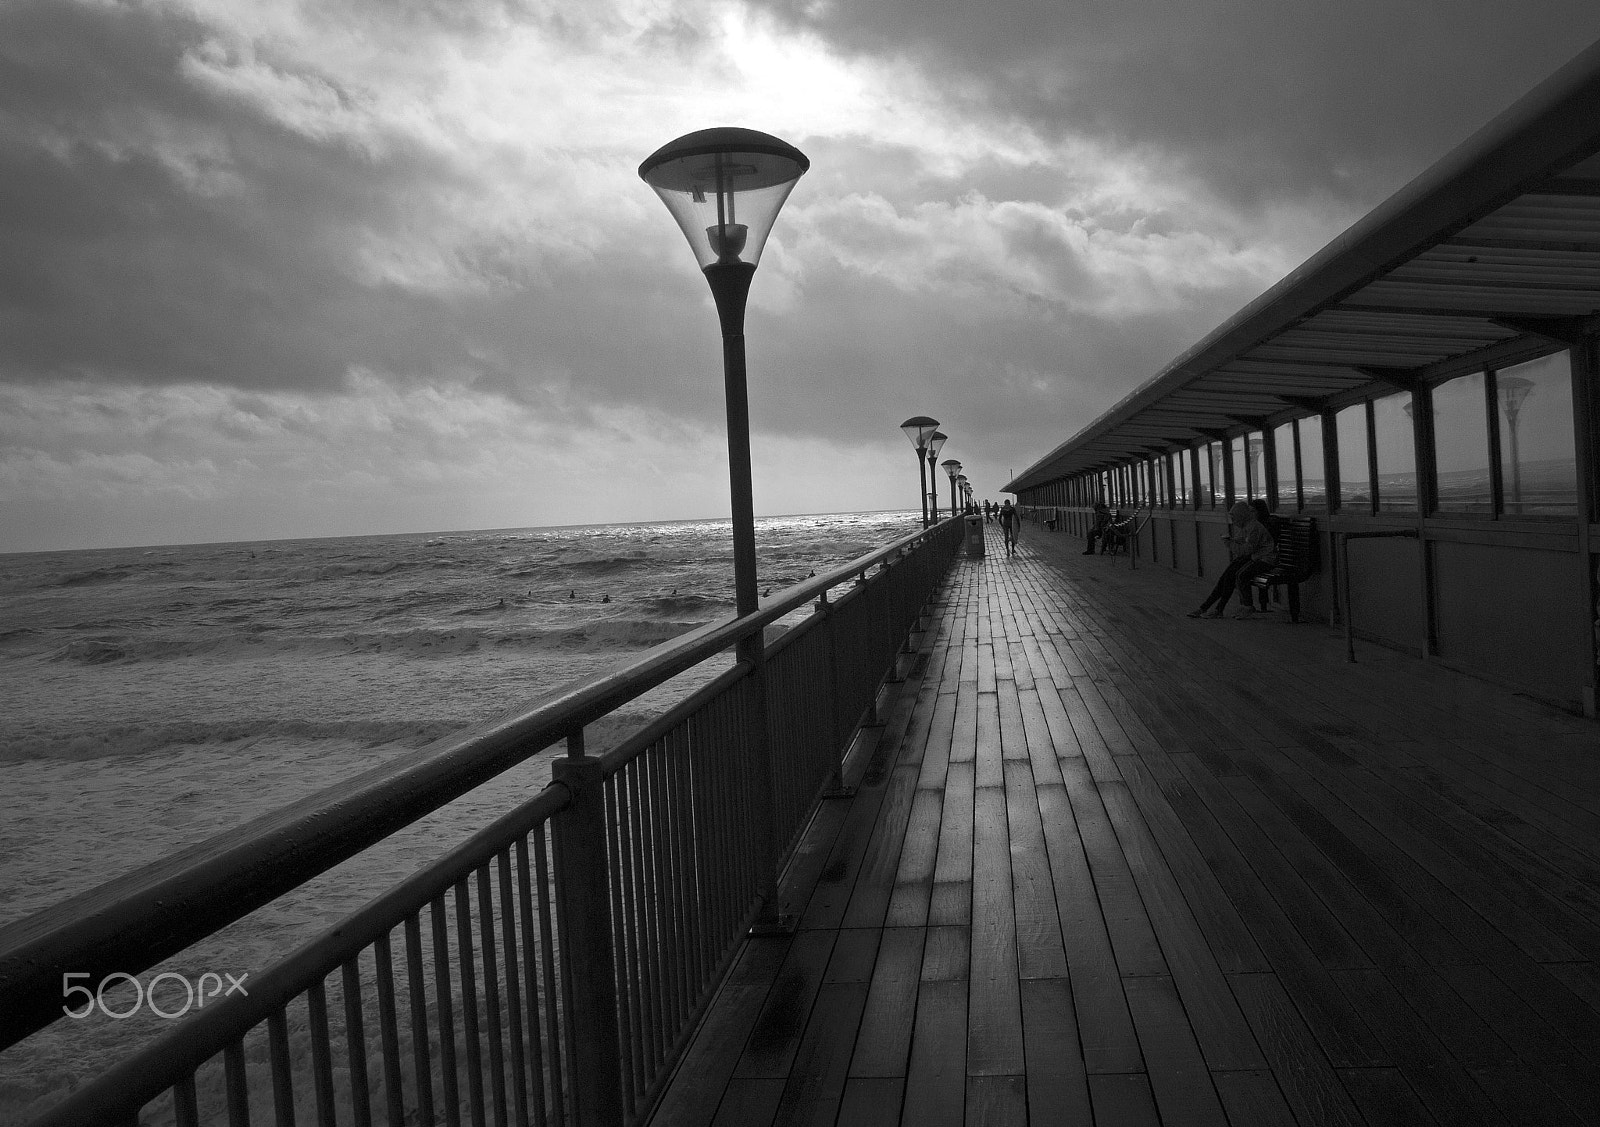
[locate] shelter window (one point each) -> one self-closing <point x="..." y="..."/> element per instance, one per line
<point x="1234" y="452"/>
<point x="1313" y="465"/>
<point x="1181" y="463"/>
<point x="1205" y="483"/>
<point x="1395" y="443"/>
<point x="1255" y="478"/>
<point x="1461" y="443"/>
<point x="1288" y="480"/>
<point x="1355" y="482"/>
<point x="1538" y="469"/>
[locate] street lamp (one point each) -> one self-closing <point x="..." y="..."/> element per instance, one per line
<point x="724" y="186"/>
<point x="1513" y="390"/>
<point x="919" y="428"/>
<point x="953" y="469"/>
<point x="936" y="443"/>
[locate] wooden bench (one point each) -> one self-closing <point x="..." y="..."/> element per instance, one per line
<point x="1297" y="559"/>
<point x="1114" y="537"/>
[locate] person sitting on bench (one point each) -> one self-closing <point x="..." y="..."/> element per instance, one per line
<point x="1102" y="517"/>
<point x="1248" y="541"/>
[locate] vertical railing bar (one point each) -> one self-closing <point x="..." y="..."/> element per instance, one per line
<point x="418" y="990"/>
<point x="450" y="1084"/>
<point x="389" y="1031"/>
<point x="185" y="1103"/>
<point x="356" y="1044"/>
<point x="237" y="1082"/>
<point x="278" y="1057"/>
<point x="552" y="992"/>
<point x="696" y="797"/>
<point x="672" y="905"/>
<point x="683" y="837"/>
<point x="530" y="975"/>
<point x="649" y="940"/>
<point x="469" y="1002"/>
<point x="321" y="1053"/>
<point x="720" y="765"/>
<point x="509" y="945"/>
<point x="491" y="996"/>
<point x="624" y="949"/>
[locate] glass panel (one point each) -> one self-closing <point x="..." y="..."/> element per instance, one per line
<point x="1538" y="470"/>
<point x="1254" y="454"/>
<point x="1313" y="471"/>
<point x="1355" y="488"/>
<point x="1283" y="451"/>
<point x="1203" y="488"/>
<point x="1397" y="452"/>
<point x="1461" y="439"/>
<point x="1181" y="462"/>
<point x="1241" y="483"/>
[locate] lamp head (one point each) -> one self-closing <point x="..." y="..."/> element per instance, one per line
<point x="724" y="186"/>
<point x="951" y="467"/>
<point x="935" y="442"/>
<point x="918" y="429"/>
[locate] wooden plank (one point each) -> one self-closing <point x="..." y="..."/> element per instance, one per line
<point x="952" y="891"/>
<point x="1253" y="1099"/>
<point x="913" y="880"/>
<point x="880" y="862"/>
<point x="1057" y="1082"/>
<point x="986" y="745"/>
<point x="1177" y="1070"/>
<point x="709" y="1064"/>
<point x="936" y="1077"/>
<point x="1309" y="1084"/>
<point x="1386" y="1099"/>
<point x="871" y="1101"/>
<point x="748" y="1102"/>
<point x="1123" y="1100"/>
<point x="884" y="1042"/>
<point x="822" y="1060"/>
<point x="774" y="1039"/>
<point x="1223" y="1033"/>
<point x="936" y="751"/>
<point x="1013" y="736"/>
<point x="996" y="1101"/>
<point x="1040" y="951"/>
<point x="1132" y="938"/>
<point x="1105" y="1027"/>
<point x="994" y="1009"/>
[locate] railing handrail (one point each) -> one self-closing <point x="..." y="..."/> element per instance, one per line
<point x="134" y="921"/>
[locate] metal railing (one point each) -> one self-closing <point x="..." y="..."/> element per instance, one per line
<point x="551" y="968"/>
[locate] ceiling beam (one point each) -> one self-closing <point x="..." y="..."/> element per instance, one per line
<point x="1402" y="378"/>
<point x="1563" y="330"/>
<point x="1304" y="401"/>
<point x="1566" y="186"/>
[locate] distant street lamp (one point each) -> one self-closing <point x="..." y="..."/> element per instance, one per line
<point x="919" y="428"/>
<point x="936" y="443"/>
<point x="1513" y="390"/>
<point x="953" y="469"/>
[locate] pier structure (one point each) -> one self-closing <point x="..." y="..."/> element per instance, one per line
<point x="1109" y="865"/>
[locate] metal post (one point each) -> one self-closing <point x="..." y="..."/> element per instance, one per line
<point x="582" y="886"/>
<point x="933" y="485"/>
<point x="922" y="482"/>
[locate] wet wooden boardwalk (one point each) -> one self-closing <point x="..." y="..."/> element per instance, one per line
<point x="1109" y="865"/>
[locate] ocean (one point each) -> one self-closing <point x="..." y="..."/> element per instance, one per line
<point x="151" y="697"/>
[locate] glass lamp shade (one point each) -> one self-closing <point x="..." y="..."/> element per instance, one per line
<point x="935" y="442"/>
<point x="918" y="428"/>
<point x="724" y="186"/>
<point x="951" y="467"/>
<point x="1513" y="390"/>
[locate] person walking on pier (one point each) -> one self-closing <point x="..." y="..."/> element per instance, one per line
<point x="1009" y="520"/>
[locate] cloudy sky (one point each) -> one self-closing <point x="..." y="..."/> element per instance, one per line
<point x="273" y="269"/>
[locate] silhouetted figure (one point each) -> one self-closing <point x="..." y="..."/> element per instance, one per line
<point x="1010" y="520"/>
<point x="1097" y="528"/>
<point x="1249" y="543"/>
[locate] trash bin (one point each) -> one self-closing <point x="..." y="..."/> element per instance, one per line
<point x="974" y="536"/>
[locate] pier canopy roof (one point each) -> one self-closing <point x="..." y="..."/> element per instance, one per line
<point x="1495" y="246"/>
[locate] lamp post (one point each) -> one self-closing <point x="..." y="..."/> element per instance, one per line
<point x="952" y="468"/>
<point x="1513" y="390"/>
<point x="725" y="186"/>
<point x="919" y="428"/>
<point x="936" y="443"/>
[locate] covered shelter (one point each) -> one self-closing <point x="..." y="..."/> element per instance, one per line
<point x="1423" y="388"/>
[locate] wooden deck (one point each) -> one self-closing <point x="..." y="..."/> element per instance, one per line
<point x="1110" y="865"/>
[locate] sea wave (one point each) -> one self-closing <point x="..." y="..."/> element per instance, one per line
<point x="622" y="634"/>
